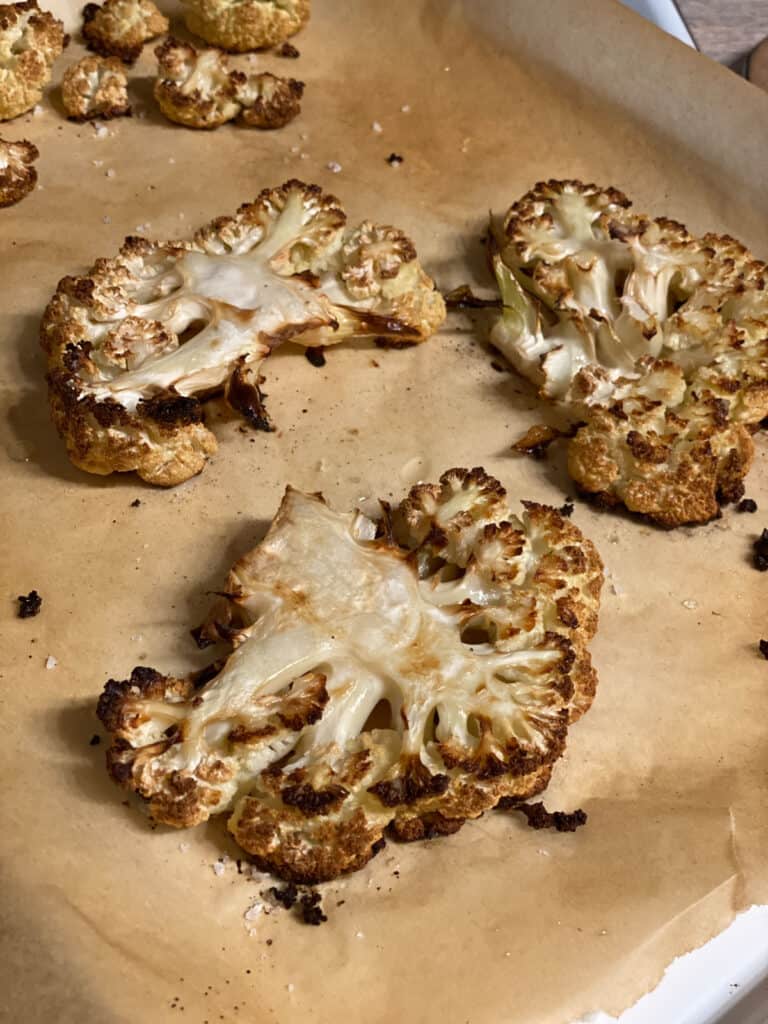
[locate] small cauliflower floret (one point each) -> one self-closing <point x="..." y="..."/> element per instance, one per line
<point x="372" y="688"/>
<point x="137" y="344"/>
<point x="119" y="28"/>
<point x="30" y="41"/>
<point x="17" y="173"/>
<point x="198" y="89"/>
<point x="95" y="87"/>
<point x="241" y="25"/>
<point x="618" y="317"/>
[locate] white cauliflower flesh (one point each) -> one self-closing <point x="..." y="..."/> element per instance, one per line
<point x="17" y="172"/>
<point x="402" y="673"/>
<point x="95" y="87"/>
<point x="135" y="344"/>
<point x="30" y="41"/>
<point x="644" y="332"/>
<point x="119" y="28"/>
<point x="241" y="25"/>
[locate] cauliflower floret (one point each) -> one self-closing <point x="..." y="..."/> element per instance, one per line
<point x="134" y="344"/>
<point x="17" y="174"/>
<point x="119" y="28"/>
<point x="371" y="688"/>
<point x="637" y="327"/>
<point x="95" y="87"/>
<point x="30" y="41"/>
<point x="198" y="89"/>
<point x="240" y="25"/>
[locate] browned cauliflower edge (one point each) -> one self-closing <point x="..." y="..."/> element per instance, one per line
<point x="136" y="345"/>
<point x="391" y="674"/>
<point x="17" y="172"/>
<point x="95" y="87"/>
<point x="652" y="338"/>
<point x="241" y="25"/>
<point x="119" y="28"/>
<point x="30" y="41"/>
<point x="197" y="89"/>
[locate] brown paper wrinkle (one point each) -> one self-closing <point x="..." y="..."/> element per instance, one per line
<point x="103" y="916"/>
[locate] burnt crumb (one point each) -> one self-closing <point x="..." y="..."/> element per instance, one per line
<point x="393" y="343"/>
<point x="763" y="645"/>
<point x="287" y="50"/>
<point x="498" y="367"/>
<point x="95" y="740"/>
<point x="747" y="505"/>
<point x="286" y="897"/>
<point x="464" y="298"/>
<point x="539" y="817"/>
<point x="269" y="942"/>
<point x="239" y="866"/>
<point x="315" y="356"/>
<point x="759" y="552"/>
<point x="340" y="903"/>
<point x="536" y="441"/>
<point x="394" y="159"/>
<point x="198" y="634"/>
<point x="311" y="911"/>
<point x="566" y="510"/>
<point x="136" y="502"/>
<point x="29" y="605"/>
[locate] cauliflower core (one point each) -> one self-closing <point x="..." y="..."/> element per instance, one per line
<point x="95" y="87"/>
<point x="17" y="174"/>
<point x="135" y="344"/>
<point x="240" y="25"/>
<point x="119" y="28"/>
<point x="30" y="41"/>
<point x="403" y="673"/>
<point x="657" y="341"/>
<point x="196" y="88"/>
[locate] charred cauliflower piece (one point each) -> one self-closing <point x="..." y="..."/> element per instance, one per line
<point x="17" y="173"/>
<point x="655" y="339"/>
<point x="399" y="673"/>
<point x="119" y="28"/>
<point x="198" y="89"/>
<point x="95" y="87"/>
<point x="136" y="344"/>
<point x="240" y="25"/>
<point x="30" y="41"/>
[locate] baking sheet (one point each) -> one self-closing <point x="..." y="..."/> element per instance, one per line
<point x="105" y="920"/>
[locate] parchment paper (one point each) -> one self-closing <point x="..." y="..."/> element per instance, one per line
<point x="106" y="921"/>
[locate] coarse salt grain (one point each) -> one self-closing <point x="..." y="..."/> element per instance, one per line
<point x="406" y="108"/>
<point x="171" y="160"/>
<point x="37" y="110"/>
<point x="106" y="220"/>
<point x="544" y="853"/>
<point x="290" y="986"/>
<point x="183" y="847"/>
<point x="376" y="127"/>
<point x="51" y="662"/>
<point x="690" y="604"/>
<point x="359" y="935"/>
<point x="303" y="156"/>
<point x="218" y="868"/>
<point x="100" y="131"/>
<point x="254" y="911"/>
<point x="97" y="163"/>
<point x="110" y="173"/>
<point x="295" y="149"/>
<point x="333" y="166"/>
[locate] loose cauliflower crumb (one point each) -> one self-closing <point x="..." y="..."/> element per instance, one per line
<point x="119" y="28"/>
<point x="241" y="25"/>
<point x="30" y="41"/>
<point x="95" y="87"/>
<point x="656" y="340"/>
<point x="196" y="88"/>
<point x="17" y="174"/>
<point x="135" y="344"/>
<point x="399" y="673"/>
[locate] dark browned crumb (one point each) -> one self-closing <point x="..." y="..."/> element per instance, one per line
<point x="311" y="911"/>
<point x="286" y="896"/>
<point x="566" y="510"/>
<point x="498" y="367"/>
<point x="747" y="505"/>
<point x="763" y="645"/>
<point x="539" y="817"/>
<point x="315" y="356"/>
<point x="287" y="50"/>
<point x="198" y="635"/>
<point x="464" y="298"/>
<point x="29" y="604"/>
<point x="269" y="942"/>
<point x="760" y="552"/>
<point x="136" y="502"/>
<point x="536" y="441"/>
<point x="393" y="343"/>
<point x="394" y="159"/>
<point x="95" y="740"/>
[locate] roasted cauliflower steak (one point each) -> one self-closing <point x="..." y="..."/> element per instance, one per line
<point x="95" y="87"/>
<point x="198" y="89"/>
<point x="30" y="42"/>
<point x="654" y="339"/>
<point x="241" y="25"/>
<point x="138" y="343"/>
<point x="119" y="28"/>
<point x="394" y="673"/>
<point x="17" y="172"/>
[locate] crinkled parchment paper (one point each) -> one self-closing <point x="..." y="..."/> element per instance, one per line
<point x="106" y="921"/>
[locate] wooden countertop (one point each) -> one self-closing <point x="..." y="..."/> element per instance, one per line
<point x="726" y="30"/>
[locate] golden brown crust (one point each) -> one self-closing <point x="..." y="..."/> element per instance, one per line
<point x="95" y="87"/>
<point x="30" y="41"/>
<point x="246" y="25"/>
<point x="475" y="625"/>
<point x="17" y="174"/>
<point x="119" y="28"/>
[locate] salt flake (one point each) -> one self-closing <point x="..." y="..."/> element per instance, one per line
<point x="51" y="662"/>
<point x="690" y="604"/>
<point x="333" y="166"/>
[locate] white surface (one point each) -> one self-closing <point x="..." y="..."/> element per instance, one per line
<point x="664" y="14"/>
<point x="724" y="982"/>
